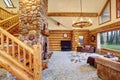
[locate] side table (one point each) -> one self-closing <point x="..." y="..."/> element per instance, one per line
<point x="79" y="49"/>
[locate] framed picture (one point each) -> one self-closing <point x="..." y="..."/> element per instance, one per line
<point x="92" y="38"/>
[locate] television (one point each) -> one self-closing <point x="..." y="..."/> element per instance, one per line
<point x="66" y="45"/>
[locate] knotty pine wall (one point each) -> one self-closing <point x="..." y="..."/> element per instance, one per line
<point x="55" y="38"/>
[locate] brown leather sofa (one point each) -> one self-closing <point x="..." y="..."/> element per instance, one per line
<point x="87" y="48"/>
<point x="108" y="69"/>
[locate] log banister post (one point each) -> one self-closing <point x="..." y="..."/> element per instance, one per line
<point x="0" y="12"/>
<point x="37" y="62"/>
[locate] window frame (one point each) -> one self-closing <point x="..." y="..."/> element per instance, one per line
<point x="105" y="46"/>
<point x="108" y="1"/>
<point x="10" y="3"/>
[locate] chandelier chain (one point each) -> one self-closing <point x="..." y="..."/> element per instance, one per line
<point x="81" y="6"/>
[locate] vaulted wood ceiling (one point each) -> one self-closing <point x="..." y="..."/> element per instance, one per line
<point x="67" y="11"/>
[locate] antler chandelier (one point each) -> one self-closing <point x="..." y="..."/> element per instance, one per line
<point x="82" y="22"/>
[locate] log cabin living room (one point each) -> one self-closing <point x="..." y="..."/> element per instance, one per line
<point x="59" y="39"/>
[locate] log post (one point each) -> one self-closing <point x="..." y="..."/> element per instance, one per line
<point x="37" y="62"/>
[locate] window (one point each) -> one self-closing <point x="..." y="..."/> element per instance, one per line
<point x="105" y="13"/>
<point x="81" y="40"/>
<point x="110" y="40"/>
<point x="118" y="8"/>
<point x="9" y="3"/>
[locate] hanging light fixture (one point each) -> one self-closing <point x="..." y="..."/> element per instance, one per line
<point x="82" y="22"/>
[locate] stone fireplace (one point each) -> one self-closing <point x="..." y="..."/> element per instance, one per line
<point x="33" y="21"/>
<point x="44" y="43"/>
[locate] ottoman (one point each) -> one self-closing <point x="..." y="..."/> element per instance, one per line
<point x="91" y="60"/>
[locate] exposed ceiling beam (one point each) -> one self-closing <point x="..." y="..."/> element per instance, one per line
<point x="72" y="14"/>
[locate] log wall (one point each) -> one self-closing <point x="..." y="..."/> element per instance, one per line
<point x="55" y="38"/>
<point x="75" y="38"/>
<point x="57" y="35"/>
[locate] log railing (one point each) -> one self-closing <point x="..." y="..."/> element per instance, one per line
<point x="10" y="22"/>
<point x="29" y="57"/>
<point x="5" y="14"/>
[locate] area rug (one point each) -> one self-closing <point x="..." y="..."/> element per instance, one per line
<point x="62" y="68"/>
<point x="87" y="68"/>
<point x="4" y="75"/>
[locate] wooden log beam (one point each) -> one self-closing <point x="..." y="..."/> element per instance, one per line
<point x="72" y="14"/>
<point x="109" y="27"/>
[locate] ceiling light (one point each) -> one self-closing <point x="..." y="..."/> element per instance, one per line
<point x="82" y="21"/>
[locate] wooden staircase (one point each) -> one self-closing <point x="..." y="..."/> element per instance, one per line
<point x="8" y="63"/>
<point x="1" y="19"/>
<point x="22" y="61"/>
<point x="10" y="24"/>
<point x="18" y="58"/>
<point x="5" y="14"/>
<point x="15" y="31"/>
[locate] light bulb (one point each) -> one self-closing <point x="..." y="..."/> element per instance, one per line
<point x="90" y="20"/>
<point x="81" y="19"/>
